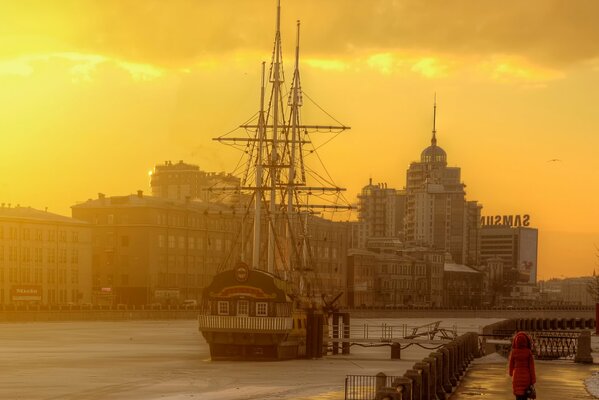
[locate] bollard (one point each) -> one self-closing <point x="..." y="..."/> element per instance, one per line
<point x="432" y="383"/>
<point x="396" y="351"/>
<point x="380" y="382"/>
<point x="583" y="350"/>
<point x="489" y="348"/>
<point x="405" y="385"/>
<point x="424" y="368"/>
<point x="438" y="356"/>
<point x="416" y="377"/>
<point x="454" y="376"/>
<point x="446" y="368"/>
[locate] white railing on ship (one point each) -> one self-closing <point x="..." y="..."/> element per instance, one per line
<point x="227" y="322"/>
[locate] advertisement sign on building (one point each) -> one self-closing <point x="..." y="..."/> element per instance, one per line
<point x="527" y="256"/>
<point x="26" y="293"/>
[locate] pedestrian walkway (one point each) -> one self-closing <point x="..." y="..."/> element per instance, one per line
<point x="488" y="379"/>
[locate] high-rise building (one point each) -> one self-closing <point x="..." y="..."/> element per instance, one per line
<point x="516" y="247"/>
<point x="380" y="214"/>
<point x="45" y="258"/>
<point x="180" y="180"/>
<point x="437" y="213"/>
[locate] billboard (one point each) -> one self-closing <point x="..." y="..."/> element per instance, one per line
<point x="26" y="293"/>
<point x="527" y="255"/>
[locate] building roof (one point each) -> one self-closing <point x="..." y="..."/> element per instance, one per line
<point x="34" y="215"/>
<point x="451" y="267"/>
<point x="141" y="200"/>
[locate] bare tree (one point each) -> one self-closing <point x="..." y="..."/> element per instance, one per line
<point x="593" y="285"/>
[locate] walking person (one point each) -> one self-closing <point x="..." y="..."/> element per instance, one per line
<point x="522" y="367"/>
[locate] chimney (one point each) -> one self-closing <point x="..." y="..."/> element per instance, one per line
<point x="140" y="194"/>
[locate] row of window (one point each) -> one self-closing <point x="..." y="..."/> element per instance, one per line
<point x="242" y="309"/>
<point x="12" y="233"/>
<point x="36" y="275"/>
<point x="193" y="243"/>
<point x="28" y="255"/>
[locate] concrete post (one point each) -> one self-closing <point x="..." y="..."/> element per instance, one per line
<point x="380" y="382"/>
<point x="446" y="368"/>
<point x="425" y="370"/>
<point x="396" y="351"/>
<point x="583" y="350"/>
<point x="432" y="384"/>
<point x="438" y="356"/>
<point x="405" y="385"/>
<point x="416" y="378"/>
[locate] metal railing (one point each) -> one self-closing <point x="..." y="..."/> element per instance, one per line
<point x="364" y="387"/>
<point x="388" y="333"/>
<point x="252" y="324"/>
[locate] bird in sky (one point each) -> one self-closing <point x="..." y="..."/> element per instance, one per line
<point x="554" y="160"/>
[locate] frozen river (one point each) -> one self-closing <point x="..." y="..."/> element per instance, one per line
<point x="170" y="360"/>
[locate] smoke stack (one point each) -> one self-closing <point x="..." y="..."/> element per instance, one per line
<point x="140" y="194"/>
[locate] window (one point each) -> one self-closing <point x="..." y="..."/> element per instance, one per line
<point x="74" y="256"/>
<point x="223" y="308"/>
<point x="171" y="241"/>
<point x="161" y="241"/>
<point x="181" y="242"/>
<point x="74" y="237"/>
<point x="243" y="307"/>
<point x="261" y="309"/>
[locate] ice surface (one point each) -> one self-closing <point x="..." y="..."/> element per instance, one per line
<point x="170" y="360"/>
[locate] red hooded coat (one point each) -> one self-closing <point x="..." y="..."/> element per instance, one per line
<point x="522" y="365"/>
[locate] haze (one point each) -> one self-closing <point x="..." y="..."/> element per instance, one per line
<point x="94" y="94"/>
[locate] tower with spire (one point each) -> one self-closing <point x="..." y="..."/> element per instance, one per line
<point x="437" y="212"/>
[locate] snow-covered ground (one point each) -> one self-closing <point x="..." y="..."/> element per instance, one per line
<point x="592" y="382"/>
<point x="170" y="360"/>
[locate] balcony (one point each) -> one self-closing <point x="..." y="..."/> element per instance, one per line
<point x="245" y="324"/>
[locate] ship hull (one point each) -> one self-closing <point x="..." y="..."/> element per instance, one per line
<point x="243" y="346"/>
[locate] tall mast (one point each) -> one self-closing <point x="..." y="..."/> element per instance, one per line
<point x="273" y="152"/>
<point x="258" y="191"/>
<point x="295" y="104"/>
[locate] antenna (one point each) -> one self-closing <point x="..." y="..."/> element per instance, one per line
<point x="434" y="139"/>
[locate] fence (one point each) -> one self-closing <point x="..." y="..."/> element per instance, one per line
<point x="434" y="377"/>
<point x="365" y="387"/>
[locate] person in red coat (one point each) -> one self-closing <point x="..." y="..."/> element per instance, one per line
<point x="522" y="365"/>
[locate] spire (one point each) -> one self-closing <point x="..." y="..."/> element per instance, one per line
<point x="434" y="139"/>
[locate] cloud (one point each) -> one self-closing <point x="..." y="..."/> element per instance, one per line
<point x="80" y="66"/>
<point x="530" y="41"/>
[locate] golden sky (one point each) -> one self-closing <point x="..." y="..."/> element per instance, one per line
<point x="94" y="93"/>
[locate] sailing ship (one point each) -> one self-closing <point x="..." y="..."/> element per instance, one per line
<point x="267" y="307"/>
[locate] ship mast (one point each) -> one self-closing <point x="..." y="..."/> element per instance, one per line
<point x="294" y="102"/>
<point x="276" y="79"/>
<point x="258" y="191"/>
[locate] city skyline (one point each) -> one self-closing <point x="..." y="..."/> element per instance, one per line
<point x="107" y="110"/>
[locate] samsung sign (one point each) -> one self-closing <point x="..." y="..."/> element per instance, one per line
<point x="506" y="220"/>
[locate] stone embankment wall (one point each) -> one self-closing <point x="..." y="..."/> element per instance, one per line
<point x="442" y="313"/>
<point x="95" y="315"/>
